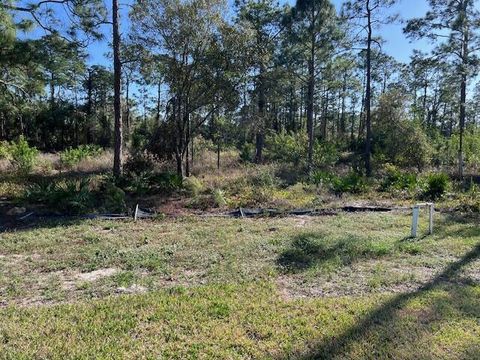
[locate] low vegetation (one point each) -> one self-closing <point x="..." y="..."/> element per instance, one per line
<point x="347" y="285"/>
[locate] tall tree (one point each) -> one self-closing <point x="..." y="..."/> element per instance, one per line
<point x="368" y="15"/>
<point x="117" y="93"/>
<point x="202" y="60"/>
<point x="453" y="25"/>
<point x="263" y="19"/>
<point x="314" y="26"/>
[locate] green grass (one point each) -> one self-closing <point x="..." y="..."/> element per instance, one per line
<point x="248" y="321"/>
<point x="349" y="286"/>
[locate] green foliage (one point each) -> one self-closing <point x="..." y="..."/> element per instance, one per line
<point x="114" y="198"/>
<point x="72" y="156"/>
<point x="75" y="197"/>
<point x="265" y="178"/>
<point x="447" y="149"/>
<point x="292" y="148"/>
<point x="140" y="176"/>
<point x="286" y="147"/>
<point x="352" y="183"/>
<point x="202" y="202"/>
<point x="193" y="186"/>
<point x="397" y="140"/>
<point x="149" y="182"/>
<point x="247" y="152"/>
<point x="66" y="197"/>
<point x="167" y="181"/>
<point x="320" y="177"/>
<point x="140" y="138"/>
<point x="435" y="185"/>
<point x="139" y="183"/>
<point x="4" y="150"/>
<point x="22" y="156"/>
<point x="139" y="163"/>
<point x="325" y="154"/>
<point x="396" y="179"/>
<point x="219" y="198"/>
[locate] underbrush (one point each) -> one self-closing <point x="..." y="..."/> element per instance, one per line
<point x="20" y="154"/>
<point x="72" y="196"/>
<point x="73" y="156"/>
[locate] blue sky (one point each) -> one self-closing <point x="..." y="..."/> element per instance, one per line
<point x="396" y="44"/>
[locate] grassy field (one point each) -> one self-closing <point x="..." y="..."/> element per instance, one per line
<point x="346" y="286"/>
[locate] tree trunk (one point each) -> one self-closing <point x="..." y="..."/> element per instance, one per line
<point x="463" y="99"/>
<point x="424" y="103"/>
<point x="159" y="93"/>
<point x="311" y="95"/>
<point x="463" y="90"/>
<point x="127" y="105"/>
<point x="325" y="115"/>
<point x="187" y="143"/>
<point x="89" y="106"/>
<point x="52" y="92"/>
<point x="368" y="120"/>
<point x="343" y="126"/>
<point x="310" y="99"/>
<point x="117" y="102"/>
<point x="180" y="167"/>
<point x="218" y="153"/>
<point x="259" y="141"/>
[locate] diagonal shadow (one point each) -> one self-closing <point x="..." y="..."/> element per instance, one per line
<point x="338" y="345"/>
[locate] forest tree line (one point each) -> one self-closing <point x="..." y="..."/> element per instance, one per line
<point x="256" y="75"/>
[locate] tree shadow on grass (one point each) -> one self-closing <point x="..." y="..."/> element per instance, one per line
<point x="42" y="222"/>
<point x="308" y="250"/>
<point x="382" y="323"/>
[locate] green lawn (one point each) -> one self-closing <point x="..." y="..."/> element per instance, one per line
<point x="347" y="286"/>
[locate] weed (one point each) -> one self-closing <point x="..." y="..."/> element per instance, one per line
<point x="73" y="156"/>
<point x="435" y="185"/>
<point x="22" y="156"/>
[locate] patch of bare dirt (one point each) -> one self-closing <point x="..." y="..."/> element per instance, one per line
<point x="97" y="274"/>
<point x="69" y="279"/>
<point x="133" y="289"/>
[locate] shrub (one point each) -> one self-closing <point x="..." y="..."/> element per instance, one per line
<point x="167" y="181"/>
<point x="193" y="186"/>
<point x="219" y="198"/>
<point x="325" y="154"/>
<point x="139" y="183"/>
<point x="141" y="136"/>
<point x="353" y="183"/>
<point x="264" y="178"/>
<point x="397" y="139"/>
<point x="4" y="150"/>
<point x="435" y="185"/>
<point x="286" y="147"/>
<point x="149" y="182"/>
<point x="292" y="148"/>
<point x="69" y="196"/>
<point x="139" y="162"/>
<point x="398" y="180"/>
<point x="72" y="156"/>
<point x="320" y="178"/>
<point x="113" y="198"/>
<point x="447" y="149"/>
<point x="23" y="156"/>
<point x="77" y="196"/>
<point x="247" y="152"/>
<point x="201" y="202"/>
